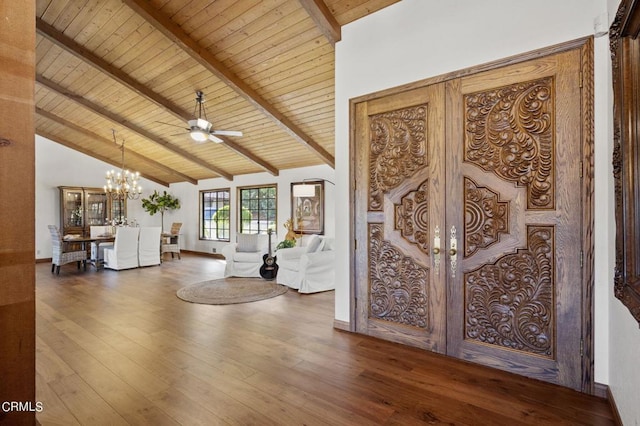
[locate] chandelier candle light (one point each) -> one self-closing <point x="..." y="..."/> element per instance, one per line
<point x="123" y="184"/>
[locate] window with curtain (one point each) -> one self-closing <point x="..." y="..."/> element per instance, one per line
<point x="258" y="211"/>
<point x="215" y="214"/>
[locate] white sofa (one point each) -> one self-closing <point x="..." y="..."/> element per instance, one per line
<point x="309" y="268"/>
<point x="244" y="257"/>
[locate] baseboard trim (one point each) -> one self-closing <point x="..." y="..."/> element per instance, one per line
<point x="198" y="253"/>
<point x="604" y="391"/>
<point x="341" y="325"/>
<point x="612" y="402"/>
<point x="202" y="253"/>
<point x="601" y="390"/>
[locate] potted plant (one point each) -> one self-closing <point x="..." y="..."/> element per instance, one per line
<point x="160" y="203"/>
<point x="286" y="244"/>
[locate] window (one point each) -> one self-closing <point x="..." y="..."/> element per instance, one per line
<point x="214" y="215"/>
<point x="257" y="209"/>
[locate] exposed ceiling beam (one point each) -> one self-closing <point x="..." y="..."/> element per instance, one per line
<point x="130" y="153"/>
<point x="84" y="54"/>
<point x="174" y="33"/>
<point x="97" y="109"/>
<point x="324" y="19"/>
<point x="240" y="150"/>
<point x="78" y="148"/>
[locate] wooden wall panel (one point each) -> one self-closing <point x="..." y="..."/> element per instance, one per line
<point x="17" y="212"/>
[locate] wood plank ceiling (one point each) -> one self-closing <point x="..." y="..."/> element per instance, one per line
<point x="266" y="68"/>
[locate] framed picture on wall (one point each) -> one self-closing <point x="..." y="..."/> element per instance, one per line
<point x="307" y="207"/>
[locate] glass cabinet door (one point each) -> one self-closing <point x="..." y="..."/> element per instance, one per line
<point x="95" y="207"/>
<point x="72" y="210"/>
<point x="81" y="208"/>
<point x="118" y="210"/>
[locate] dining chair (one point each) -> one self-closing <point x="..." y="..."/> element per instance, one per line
<point x="62" y="252"/>
<point x="171" y="241"/>
<point x="97" y="249"/>
<point x="149" y="246"/>
<point x="124" y="254"/>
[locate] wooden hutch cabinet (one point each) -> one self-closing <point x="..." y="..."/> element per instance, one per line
<point x="81" y="208"/>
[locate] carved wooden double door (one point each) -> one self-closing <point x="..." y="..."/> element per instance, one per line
<point x="468" y="218"/>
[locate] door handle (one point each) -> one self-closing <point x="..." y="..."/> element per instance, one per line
<point x="436" y="250"/>
<point x="453" y="251"/>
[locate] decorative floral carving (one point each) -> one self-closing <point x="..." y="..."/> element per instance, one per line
<point x="485" y="217"/>
<point x="412" y="217"/>
<point x="510" y="303"/>
<point x="398" y="149"/>
<point x="398" y="291"/>
<point x="509" y="131"/>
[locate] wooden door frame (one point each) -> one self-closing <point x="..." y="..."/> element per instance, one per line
<point x="585" y="45"/>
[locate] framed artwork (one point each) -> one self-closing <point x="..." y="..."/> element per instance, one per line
<point x="307" y="207"/>
<point x="625" y="44"/>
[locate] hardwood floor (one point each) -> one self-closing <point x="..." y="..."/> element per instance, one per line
<point x="120" y="348"/>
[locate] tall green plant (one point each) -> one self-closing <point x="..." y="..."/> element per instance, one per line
<point x="160" y="203"/>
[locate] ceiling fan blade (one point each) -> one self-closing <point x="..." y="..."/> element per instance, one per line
<point x="180" y="134"/>
<point x="226" y="133"/>
<point x="215" y="138"/>
<point x="169" y="124"/>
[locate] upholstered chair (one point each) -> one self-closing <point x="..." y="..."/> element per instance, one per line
<point x="97" y="250"/>
<point x="62" y="253"/>
<point x="309" y="268"/>
<point x="244" y="257"/>
<point x="149" y="246"/>
<point x="124" y="254"/>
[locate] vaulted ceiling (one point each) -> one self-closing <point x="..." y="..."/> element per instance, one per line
<point x="266" y="68"/>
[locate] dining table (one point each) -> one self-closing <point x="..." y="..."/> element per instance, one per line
<point x="86" y="245"/>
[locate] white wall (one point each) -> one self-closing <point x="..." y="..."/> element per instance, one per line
<point x="57" y="165"/>
<point x="417" y="39"/>
<point x="188" y="195"/>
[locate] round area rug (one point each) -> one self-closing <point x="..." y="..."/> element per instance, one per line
<point x="227" y="291"/>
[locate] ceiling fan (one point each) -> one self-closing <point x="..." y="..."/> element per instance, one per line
<point x="200" y="129"/>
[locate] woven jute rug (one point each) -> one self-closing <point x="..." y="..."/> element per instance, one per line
<point x="232" y="290"/>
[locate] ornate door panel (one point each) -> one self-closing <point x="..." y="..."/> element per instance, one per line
<point x="399" y="203"/>
<point x="485" y="171"/>
<point x="513" y="180"/>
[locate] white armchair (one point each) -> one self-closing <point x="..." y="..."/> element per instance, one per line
<point x="149" y="246"/>
<point x="310" y="268"/>
<point x="124" y="254"/>
<point x="244" y="258"/>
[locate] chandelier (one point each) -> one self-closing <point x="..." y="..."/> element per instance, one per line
<point x="123" y="184"/>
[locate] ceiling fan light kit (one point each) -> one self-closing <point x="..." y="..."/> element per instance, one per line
<point x="200" y="129"/>
<point x="198" y="135"/>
